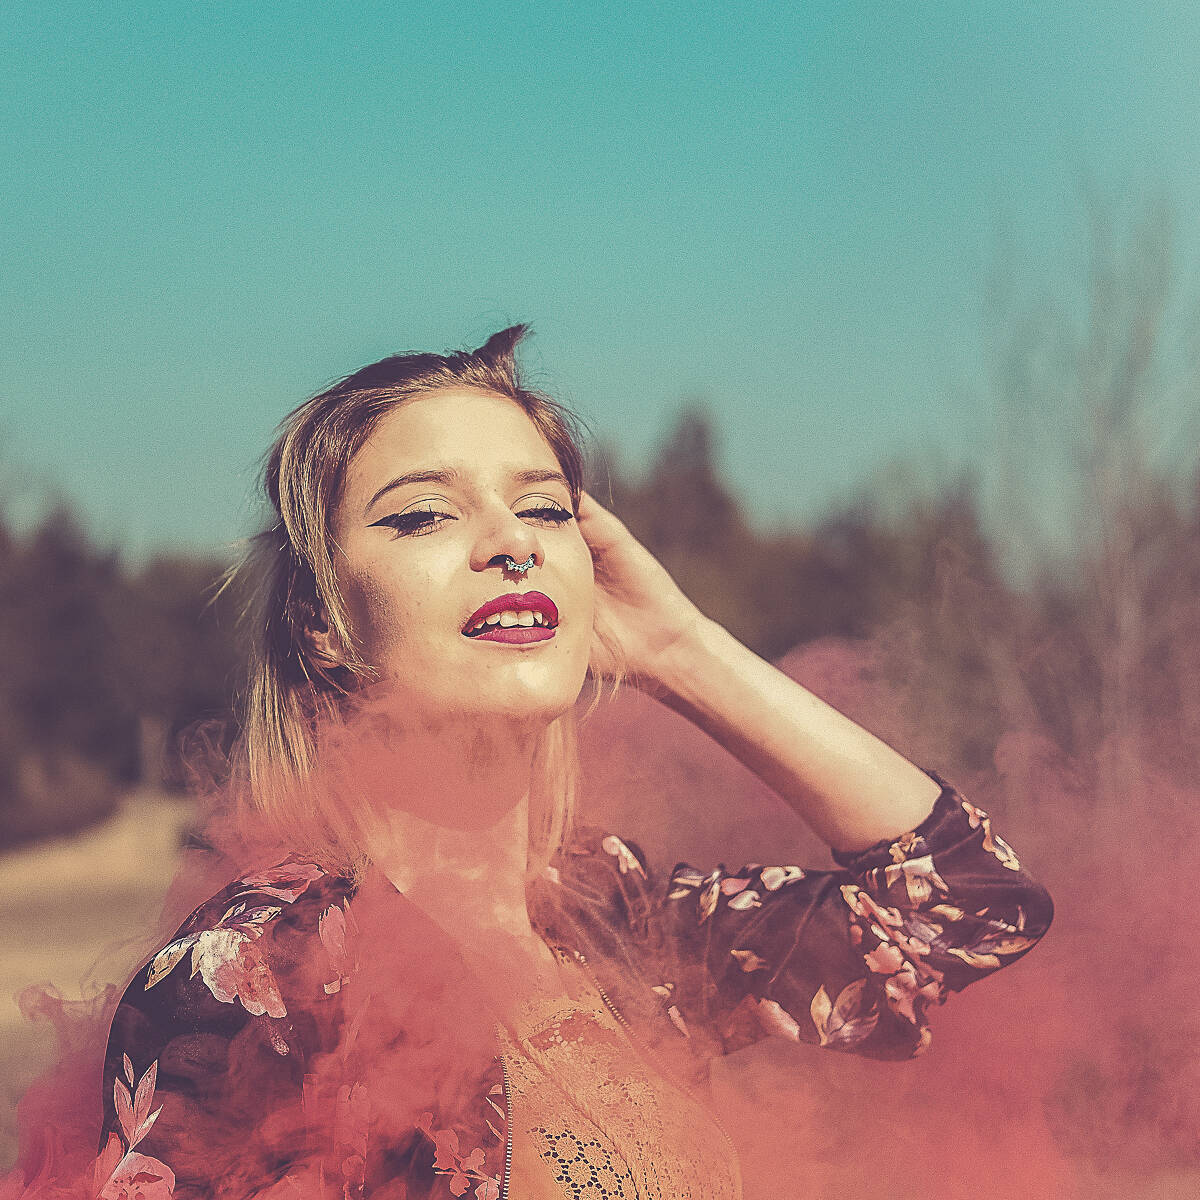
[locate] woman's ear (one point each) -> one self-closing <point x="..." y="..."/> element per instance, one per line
<point x="321" y="641"/>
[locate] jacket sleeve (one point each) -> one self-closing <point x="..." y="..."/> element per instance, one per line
<point x="852" y="959"/>
<point x="204" y="1075"/>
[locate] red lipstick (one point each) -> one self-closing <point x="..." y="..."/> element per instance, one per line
<point x="535" y="602"/>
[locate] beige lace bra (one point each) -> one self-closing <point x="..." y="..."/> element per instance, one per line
<point x="594" y="1120"/>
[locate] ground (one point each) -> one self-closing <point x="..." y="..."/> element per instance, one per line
<point x="61" y="903"/>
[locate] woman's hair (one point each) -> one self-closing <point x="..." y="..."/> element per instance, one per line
<point x="295" y="692"/>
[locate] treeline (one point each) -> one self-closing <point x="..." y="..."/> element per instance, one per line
<point x="1097" y="652"/>
<point x="105" y="667"/>
<point x="102" y="668"/>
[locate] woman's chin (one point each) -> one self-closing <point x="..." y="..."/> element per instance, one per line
<point x="531" y="713"/>
<point x="532" y="698"/>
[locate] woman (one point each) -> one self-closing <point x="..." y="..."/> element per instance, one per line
<point x="441" y="986"/>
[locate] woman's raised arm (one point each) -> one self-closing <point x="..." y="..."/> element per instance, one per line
<point x="853" y="789"/>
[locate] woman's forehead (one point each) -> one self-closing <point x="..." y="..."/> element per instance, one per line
<point x="477" y="436"/>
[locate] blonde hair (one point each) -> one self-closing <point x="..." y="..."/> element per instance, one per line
<point x="294" y="692"/>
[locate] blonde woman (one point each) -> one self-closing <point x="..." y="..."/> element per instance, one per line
<point x="434" y="983"/>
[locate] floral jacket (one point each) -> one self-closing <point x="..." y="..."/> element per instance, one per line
<point x="237" y="1064"/>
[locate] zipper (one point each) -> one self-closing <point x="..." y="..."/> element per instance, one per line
<point x="508" y="1132"/>
<point x="663" y="1069"/>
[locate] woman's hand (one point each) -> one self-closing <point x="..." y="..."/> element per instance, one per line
<point x="638" y="605"/>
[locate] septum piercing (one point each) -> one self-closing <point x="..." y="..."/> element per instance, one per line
<point x="509" y="565"/>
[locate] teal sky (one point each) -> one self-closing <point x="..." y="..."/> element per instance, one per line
<point x="791" y="210"/>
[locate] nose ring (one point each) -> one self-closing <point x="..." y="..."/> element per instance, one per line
<point x="509" y="565"/>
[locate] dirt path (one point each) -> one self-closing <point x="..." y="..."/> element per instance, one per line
<point x="61" y="903"/>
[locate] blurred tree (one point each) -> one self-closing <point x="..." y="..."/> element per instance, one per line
<point x="1113" y="666"/>
<point x="102" y="671"/>
<point x="179" y="656"/>
<point x="1102" y="652"/>
<point x="947" y="618"/>
<point x="68" y="721"/>
<point x="686" y="517"/>
<point x="689" y="507"/>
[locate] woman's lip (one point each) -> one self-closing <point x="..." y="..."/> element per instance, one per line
<point x="515" y="602"/>
<point x="515" y="635"/>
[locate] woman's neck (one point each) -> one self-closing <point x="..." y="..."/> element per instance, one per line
<point x="470" y="882"/>
<point x="454" y="836"/>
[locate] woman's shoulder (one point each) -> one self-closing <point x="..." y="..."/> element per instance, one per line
<point x="217" y="1029"/>
<point x="600" y="877"/>
<point x="599" y="863"/>
<point x="598" y="847"/>
<point x="270" y="939"/>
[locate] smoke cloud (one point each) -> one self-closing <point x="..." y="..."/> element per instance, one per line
<point x="1074" y="1073"/>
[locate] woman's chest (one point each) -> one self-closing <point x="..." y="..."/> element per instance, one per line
<point x="592" y="1116"/>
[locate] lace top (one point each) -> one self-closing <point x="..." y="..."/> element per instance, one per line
<point x="594" y="1119"/>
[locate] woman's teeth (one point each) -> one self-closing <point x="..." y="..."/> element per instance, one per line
<point x="509" y="618"/>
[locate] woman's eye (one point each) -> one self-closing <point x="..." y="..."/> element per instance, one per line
<point x="549" y="512"/>
<point x="418" y="521"/>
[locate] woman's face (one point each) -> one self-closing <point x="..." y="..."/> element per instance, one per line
<point x="417" y="557"/>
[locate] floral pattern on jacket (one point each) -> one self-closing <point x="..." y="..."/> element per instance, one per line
<point x="253" y="986"/>
<point x="849" y="960"/>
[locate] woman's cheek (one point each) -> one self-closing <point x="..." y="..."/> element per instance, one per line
<point x="377" y="618"/>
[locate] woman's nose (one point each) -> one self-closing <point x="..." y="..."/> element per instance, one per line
<point x="506" y="537"/>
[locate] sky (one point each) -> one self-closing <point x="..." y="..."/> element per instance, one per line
<point x="791" y="213"/>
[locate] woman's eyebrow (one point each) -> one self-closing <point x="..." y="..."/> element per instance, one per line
<point x="450" y="476"/>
